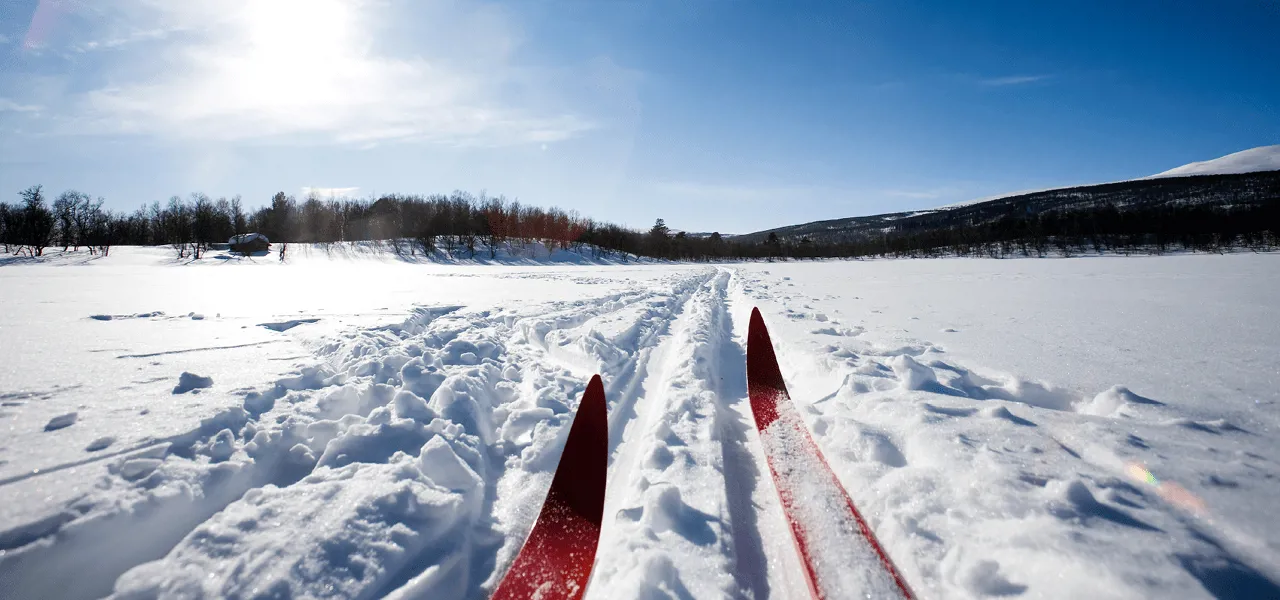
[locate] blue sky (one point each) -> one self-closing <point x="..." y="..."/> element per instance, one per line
<point x="713" y="114"/>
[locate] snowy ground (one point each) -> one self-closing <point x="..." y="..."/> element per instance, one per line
<point x="355" y="425"/>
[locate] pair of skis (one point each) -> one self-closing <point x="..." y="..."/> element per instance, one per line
<point x="841" y="556"/>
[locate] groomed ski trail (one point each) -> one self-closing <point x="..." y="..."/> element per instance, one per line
<point x="668" y="530"/>
<point x="691" y="511"/>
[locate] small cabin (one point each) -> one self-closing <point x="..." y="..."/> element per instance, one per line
<point x="249" y="243"/>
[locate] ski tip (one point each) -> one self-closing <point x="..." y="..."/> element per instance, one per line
<point x="595" y="386"/>
<point x="757" y="331"/>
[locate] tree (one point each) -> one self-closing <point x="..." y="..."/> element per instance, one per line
<point x="204" y="224"/>
<point x="6" y="224"/>
<point x="773" y="245"/>
<point x="276" y="221"/>
<point x="659" y="238"/>
<point x="37" y="221"/>
<point x="496" y="224"/>
<point x="64" y="210"/>
<point x="85" y="212"/>
<point x="177" y="224"/>
<point x="237" y="216"/>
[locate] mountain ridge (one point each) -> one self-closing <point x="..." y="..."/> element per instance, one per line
<point x="1263" y="159"/>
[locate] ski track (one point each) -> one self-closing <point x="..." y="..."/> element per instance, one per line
<point x="411" y="460"/>
<point x="670" y="531"/>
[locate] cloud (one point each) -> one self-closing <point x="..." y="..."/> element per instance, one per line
<point x="330" y="192"/>
<point x="318" y="71"/>
<point x="4" y="39"/>
<point x="131" y="37"/>
<point x="7" y="105"/>
<point x="1013" y="80"/>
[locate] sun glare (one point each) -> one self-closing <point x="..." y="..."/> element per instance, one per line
<point x="292" y="54"/>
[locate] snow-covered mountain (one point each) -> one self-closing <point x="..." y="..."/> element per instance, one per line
<point x="1262" y="158"/>
<point x="1241" y="178"/>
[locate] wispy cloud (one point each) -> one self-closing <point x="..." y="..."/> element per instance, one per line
<point x="317" y="71"/>
<point x="4" y="39"/>
<point x="1013" y="80"/>
<point x="130" y="37"/>
<point x="7" y="105"/>
<point x="330" y="192"/>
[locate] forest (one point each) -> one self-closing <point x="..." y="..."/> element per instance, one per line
<point x="1201" y="214"/>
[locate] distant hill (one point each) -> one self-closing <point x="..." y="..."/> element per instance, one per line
<point x="1251" y="177"/>
<point x="1264" y="158"/>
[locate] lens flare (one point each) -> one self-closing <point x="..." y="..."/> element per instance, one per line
<point x="1171" y="492"/>
<point x="41" y="24"/>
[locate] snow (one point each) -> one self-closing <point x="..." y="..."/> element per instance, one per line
<point x="245" y="238"/>
<point x="833" y="535"/>
<point x="1262" y="158"/>
<point x="382" y="425"/>
<point x="188" y="382"/>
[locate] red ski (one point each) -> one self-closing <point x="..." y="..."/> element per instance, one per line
<point x="555" y="562"/>
<point x="841" y="555"/>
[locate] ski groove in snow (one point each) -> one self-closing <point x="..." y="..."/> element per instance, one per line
<point x="668" y="529"/>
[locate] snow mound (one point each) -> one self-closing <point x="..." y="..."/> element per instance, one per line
<point x="1262" y="158"/>
<point x="912" y="374"/>
<point x="1112" y="402"/>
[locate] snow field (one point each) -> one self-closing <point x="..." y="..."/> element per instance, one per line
<point x="1002" y="434"/>
<point x="985" y="484"/>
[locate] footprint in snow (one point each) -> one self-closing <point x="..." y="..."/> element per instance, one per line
<point x="283" y="326"/>
<point x="189" y="381"/>
<point x="100" y="444"/>
<point x="61" y="422"/>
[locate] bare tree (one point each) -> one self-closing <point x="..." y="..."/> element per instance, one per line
<point x="37" y="221"/>
<point x="85" y="211"/>
<point x="237" y="216"/>
<point x="6" y="226"/>
<point x="64" y="210"/>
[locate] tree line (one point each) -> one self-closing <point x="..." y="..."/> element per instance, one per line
<point x="191" y="226"/>
<point x="464" y="224"/>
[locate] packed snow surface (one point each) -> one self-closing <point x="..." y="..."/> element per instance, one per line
<point x="1262" y="158"/>
<point x="357" y="424"/>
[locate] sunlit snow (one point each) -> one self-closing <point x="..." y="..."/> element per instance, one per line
<point x="356" y="424"/>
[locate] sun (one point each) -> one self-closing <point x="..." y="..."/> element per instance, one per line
<point x="299" y="32"/>
<point x="293" y="54"/>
